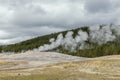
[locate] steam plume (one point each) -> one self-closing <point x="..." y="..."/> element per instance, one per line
<point x="96" y="34"/>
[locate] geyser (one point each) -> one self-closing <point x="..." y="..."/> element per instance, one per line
<point x="96" y="34"/>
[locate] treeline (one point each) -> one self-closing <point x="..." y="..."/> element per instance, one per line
<point x="97" y="51"/>
<point x="0" y="48"/>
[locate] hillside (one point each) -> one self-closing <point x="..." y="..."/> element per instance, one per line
<point x="34" y="43"/>
<point x="84" y="41"/>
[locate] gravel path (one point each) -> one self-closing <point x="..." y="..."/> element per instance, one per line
<point x="32" y="59"/>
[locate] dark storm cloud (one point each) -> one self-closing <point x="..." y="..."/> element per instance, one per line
<point x="30" y="18"/>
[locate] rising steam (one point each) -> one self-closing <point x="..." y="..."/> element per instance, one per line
<point x="96" y="34"/>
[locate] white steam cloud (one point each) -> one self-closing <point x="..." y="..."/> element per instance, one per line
<point x="95" y="34"/>
<point x="102" y="35"/>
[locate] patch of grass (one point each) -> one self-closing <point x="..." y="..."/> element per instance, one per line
<point x="4" y="63"/>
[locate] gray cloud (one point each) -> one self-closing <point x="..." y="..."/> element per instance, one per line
<point x="96" y="6"/>
<point x="30" y="18"/>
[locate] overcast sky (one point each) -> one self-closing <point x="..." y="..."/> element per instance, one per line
<point x="24" y="19"/>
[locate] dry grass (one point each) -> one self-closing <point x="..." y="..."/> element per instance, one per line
<point x="94" y="69"/>
<point x="3" y="63"/>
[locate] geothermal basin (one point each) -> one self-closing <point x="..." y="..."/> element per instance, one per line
<point x="32" y="59"/>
